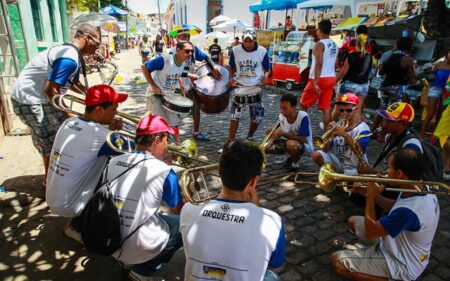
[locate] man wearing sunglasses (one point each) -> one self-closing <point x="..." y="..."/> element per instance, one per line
<point x="341" y="152"/>
<point x="162" y="74"/>
<point x="51" y="73"/>
<point x="200" y="56"/>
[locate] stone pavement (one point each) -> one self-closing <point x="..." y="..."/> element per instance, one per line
<point x="33" y="247"/>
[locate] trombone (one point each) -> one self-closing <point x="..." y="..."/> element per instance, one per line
<point x="328" y="179"/>
<point x="58" y="101"/>
<point x="268" y="141"/>
<point x="323" y="140"/>
<point x="123" y="142"/>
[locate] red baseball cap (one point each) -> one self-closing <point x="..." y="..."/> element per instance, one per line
<point x="398" y="111"/>
<point x="153" y="124"/>
<point x="99" y="94"/>
<point x="348" y="98"/>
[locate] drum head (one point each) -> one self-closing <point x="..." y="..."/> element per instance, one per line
<point x="247" y="91"/>
<point x="208" y="85"/>
<point x="177" y="103"/>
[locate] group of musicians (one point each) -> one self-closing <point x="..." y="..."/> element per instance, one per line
<point x="230" y="237"/>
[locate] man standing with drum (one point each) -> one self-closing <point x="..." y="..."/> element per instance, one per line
<point x="200" y="56"/>
<point x="250" y="63"/>
<point x="162" y="73"/>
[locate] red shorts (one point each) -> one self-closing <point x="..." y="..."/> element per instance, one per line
<point x="309" y="95"/>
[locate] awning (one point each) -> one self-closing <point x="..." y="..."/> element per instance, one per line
<point x="320" y="4"/>
<point x="273" y="5"/>
<point x="350" y="23"/>
<point x="113" y="11"/>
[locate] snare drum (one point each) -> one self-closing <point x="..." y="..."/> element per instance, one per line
<point x="177" y="103"/>
<point x="247" y="95"/>
<point x="213" y="95"/>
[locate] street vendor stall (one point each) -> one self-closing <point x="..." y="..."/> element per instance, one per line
<point x="291" y="60"/>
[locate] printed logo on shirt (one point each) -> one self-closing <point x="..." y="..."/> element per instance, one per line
<point x="124" y="164"/>
<point x="214" y="271"/>
<point x="57" y="156"/>
<point x="223" y="216"/>
<point x="171" y="81"/>
<point x="247" y="68"/>
<point x="333" y="48"/>
<point x="225" y="208"/>
<point x="119" y="202"/>
<point x="74" y="126"/>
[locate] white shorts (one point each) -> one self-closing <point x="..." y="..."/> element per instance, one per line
<point x="368" y="260"/>
<point x="154" y="104"/>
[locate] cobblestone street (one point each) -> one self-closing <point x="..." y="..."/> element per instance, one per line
<point x="34" y="248"/>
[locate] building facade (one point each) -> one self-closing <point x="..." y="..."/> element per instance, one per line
<point x="27" y="27"/>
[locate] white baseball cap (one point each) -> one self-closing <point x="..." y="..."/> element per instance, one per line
<point x="249" y="32"/>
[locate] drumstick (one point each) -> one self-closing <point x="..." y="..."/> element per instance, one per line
<point x="182" y="88"/>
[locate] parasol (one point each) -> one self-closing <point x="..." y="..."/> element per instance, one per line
<point x="193" y="30"/>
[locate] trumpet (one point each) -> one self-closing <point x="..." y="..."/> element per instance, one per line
<point x="323" y="140"/>
<point x="328" y="179"/>
<point x="267" y="142"/>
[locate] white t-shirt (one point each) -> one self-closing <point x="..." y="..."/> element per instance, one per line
<point x="329" y="59"/>
<point x="138" y="194"/>
<point x="230" y="240"/>
<point x="300" y="127"/>
<point x="342" y="150"/>
<point x="249" y="66"/>
<point x="59" y="64"/>
<point x="165" y="72"/>
<point x="76" y="165"/>
<point x="411" y="225"/>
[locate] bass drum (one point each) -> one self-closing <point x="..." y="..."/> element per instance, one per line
<point x="213" y="95"/>
<point x="177" y="103"/>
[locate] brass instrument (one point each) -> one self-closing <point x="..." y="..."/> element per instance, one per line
<point x="358" y="150"/>
<point x="323" y="140"/>
<point x="195" y="188"/>
<point x="267" y="142"/>
<point x="123" y="142"/>
<point x="58" y="101"/>
<point x="328" y="178"/>
<point x="268" y="139"/>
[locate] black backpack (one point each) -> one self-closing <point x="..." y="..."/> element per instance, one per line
<point x="434" y="168"/>
<point x="100" y="221"/>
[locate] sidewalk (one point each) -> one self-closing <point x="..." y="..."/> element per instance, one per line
<point x="34" y="248"/>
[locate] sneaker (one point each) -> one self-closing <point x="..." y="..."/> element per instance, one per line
<point x="220" y="151"/>
<point x="295" y="165"/>
<point x="200" y="136"/>
<point x="134" y="276"/>
<point x="251" y="139"/>
<point x="447" y="176"/>
<point x="71" y="233"/>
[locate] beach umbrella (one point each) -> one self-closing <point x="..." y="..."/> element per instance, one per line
<point x="193" y="30"/>
<point x="218" y="20"/>
<point x="231" y="25"/>
<point x="95" y="19"/>
<point x="216" y="34"/>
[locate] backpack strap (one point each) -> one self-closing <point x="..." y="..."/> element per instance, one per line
<point x="389" y="147"/>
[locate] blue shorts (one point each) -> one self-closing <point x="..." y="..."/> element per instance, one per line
<point x="435" y="93"/>
<point x="391" y="94"/>
<point x="352" y="87"/>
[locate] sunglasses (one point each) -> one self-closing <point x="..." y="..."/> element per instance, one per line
<point x="188" y="51"/>
<point x="97" y="42"/>
<point x="348" y="110"/>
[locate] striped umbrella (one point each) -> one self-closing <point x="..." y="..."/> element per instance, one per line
<point x="193" y="30"/>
